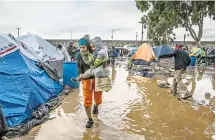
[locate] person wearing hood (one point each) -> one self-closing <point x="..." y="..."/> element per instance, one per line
<point x="100" y="51"/>
<point x="84" y="62"/>
<point x="63" y="51"/>
<point x="100" y="60"/>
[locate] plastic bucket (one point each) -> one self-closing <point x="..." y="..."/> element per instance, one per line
<point x="193" y="61"/>
<point x="70" y="71"/>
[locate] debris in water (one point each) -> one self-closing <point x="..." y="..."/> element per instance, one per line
<point x="207" y="96"/>
<point x="195" y="104"/>
<point x="147" y="116"/>
<point x="210" y="130"/>
<point x="52" y="117"/>
<point x="163" y="84"/>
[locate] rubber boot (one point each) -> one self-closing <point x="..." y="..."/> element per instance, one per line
<point x="95" y="109"/>
<point x="90" y="123"/>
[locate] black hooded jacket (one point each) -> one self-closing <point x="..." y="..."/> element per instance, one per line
<point x="182" y="59"/>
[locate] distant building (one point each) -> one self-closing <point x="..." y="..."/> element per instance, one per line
<point x="122" y="43"/>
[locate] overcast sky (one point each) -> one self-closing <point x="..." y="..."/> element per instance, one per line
<point x="53" y="19"/>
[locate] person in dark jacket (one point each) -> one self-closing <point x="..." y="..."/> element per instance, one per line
<point x="182" y="61"/>
<point x="113" y="54"/>
<point x="71" y="49"/>
<point x="84" y="61"/>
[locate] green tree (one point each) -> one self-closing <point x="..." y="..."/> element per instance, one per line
<point x="162" y="17"/>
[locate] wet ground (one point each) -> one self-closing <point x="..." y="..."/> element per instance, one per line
<point x="136" y="109"/>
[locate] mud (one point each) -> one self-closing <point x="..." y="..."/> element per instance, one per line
<point x="136" y="108"/>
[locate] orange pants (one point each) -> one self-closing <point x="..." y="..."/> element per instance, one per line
<point x="88" y="88"/>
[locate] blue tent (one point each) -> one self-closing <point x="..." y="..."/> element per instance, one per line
<point x="23" y="85"/>
<point x="132" y="52"/>
<point x="211" y="52"/>
<point x="161" y="50"/>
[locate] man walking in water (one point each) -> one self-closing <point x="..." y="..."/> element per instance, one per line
<point x="113" y="54"/>
<point x="182" y="61"/>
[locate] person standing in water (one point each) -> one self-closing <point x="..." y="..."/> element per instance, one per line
<point x="182" y="61"/>
<point x="113" y="54"/>
<point x="84" y="60"/>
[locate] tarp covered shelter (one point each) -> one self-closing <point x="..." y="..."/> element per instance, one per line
<point x="211" y="52"/>
<point x="46" y="54"/>
<point x="23" y="85"/>
<point x="144" y="55"/>
<point x="162" y="50"/>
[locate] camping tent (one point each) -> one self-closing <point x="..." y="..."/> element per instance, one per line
<point x="130" y="47"/>
<point x="48" y="56"/>
<point x="161" y="50"/>
<point x="144" y="55"/>
<point x="211" y="51"/>
<point x="23" y="85"/>
<point x="132" y="52"/>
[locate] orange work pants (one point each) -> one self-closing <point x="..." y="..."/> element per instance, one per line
<point x="88" y="89"/>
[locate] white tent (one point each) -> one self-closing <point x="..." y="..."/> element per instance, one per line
<point x="43" y="51"/>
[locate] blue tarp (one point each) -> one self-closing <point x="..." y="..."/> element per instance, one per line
<point x="23" y="86"/>
<point x="132" y="52"/>
<point x="211" y="52"/>
<point x="161" y="50"/>
<point x="140" y="62"/>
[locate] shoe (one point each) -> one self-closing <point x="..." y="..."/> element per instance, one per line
<point x="95" y="109"/>
<point x="90" y="123"/>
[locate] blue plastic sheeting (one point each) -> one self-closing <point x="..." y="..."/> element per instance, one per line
<point x="140" y="62"/>
<point x="161" y="50"/>
<point x="211" y="52"/>
<point x="70" y="71"/>
<point x="23" y="87"/>
<point x="132" y="52"/>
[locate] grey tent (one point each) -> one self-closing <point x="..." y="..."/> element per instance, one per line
<point x="45" y="54"/>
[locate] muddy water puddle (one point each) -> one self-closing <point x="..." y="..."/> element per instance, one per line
<point x="135" y="109"/>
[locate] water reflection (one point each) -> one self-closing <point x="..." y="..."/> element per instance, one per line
<point x="113" y="74"/>
<point x="200" y="74"/>
<point x="213" y="80"/>
<point x="135" y="108"/>
<point x="72" y="102"/>
<point x="163" y="118"/>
